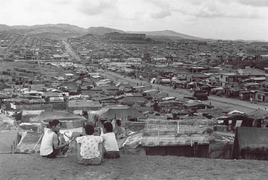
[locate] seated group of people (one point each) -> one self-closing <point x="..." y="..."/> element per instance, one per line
<point x="91" y="149"/>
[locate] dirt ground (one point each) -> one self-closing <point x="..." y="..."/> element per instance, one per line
<point x="131" y="167"/>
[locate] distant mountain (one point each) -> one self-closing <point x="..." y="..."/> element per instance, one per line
<point x="168" y="34"/>
<point x="102" y="30"/>
<point x="4" y="27"/>
<point x="65" y="30"/>
<point x="61" y="27"/>
<point x="46" y="28"/>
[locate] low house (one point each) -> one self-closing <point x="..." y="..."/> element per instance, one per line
<point x="57" y="57"/>
<point x="182" y="75"/>
<point x="231" y="79"/>
<point x="83" y="105"/>
<point x="131" y="100"/>
<point x="244" y="95"/>
<point x="252" y="72"/>
<point x="261" y="96"/>
<point x="232" y="92"/>
<point x="111" y="90"/>
<point x="106" y="100"/>
<point x="69" y="75"/>
<point x="195" y="105"/>
<point x="250" y="143"/>
<point x="53" y="97"/>
<point x="70" y="87"/>
<point x="92" y="92"/>
<point x="196" y="77"/>
<point x="198" y="69"/>
<point x="165" y="81"/>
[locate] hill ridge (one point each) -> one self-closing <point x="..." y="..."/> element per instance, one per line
<point x="73" y="29"/>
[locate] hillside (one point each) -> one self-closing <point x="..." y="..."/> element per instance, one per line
<point x="102" y="30"/>
<point x="4" y="27"/>
<point x="72" y="30"/>
<point x="131" y="167"/>
<point x="46" y="28"/>
<point x="167" y="33"/>
<point x="66" y="28"/>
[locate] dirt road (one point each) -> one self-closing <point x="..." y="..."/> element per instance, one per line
<point x="70" y="51"/>
<point x="228" y="103"/>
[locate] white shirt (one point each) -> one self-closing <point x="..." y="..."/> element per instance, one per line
<point x="46" y="147"/>
<point x="110" y="143"/>
<point x="89" y="146"/>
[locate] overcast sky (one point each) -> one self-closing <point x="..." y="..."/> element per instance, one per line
<point x="220" y="19"/>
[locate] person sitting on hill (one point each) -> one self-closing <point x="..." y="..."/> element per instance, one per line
<point x="110" y="143"/>
<point x="52" y="145"/>
<point x="89" y="147"/>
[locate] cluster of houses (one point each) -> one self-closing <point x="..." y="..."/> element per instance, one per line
<point x="35" y="91"/>
<point x="205" y="62"/>
<point x="79" y="84"/>
<point x="27" y="47"/>
<point x="244" y="84"/>
<point x="93" y="48"/>
<point x="149" y="119"/>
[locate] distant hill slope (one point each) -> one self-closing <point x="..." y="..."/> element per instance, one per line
<point x="102" y="30"/>
<point x="62" y="27"/>
<point x="46" y="28"/>
<point x="167" y="33"/>
<point x="72" y="30"/>
<point x="4" y="27"/>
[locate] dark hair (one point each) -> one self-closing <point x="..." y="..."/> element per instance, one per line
<point x="89" y="128"/>
<point x="54" y="122"/>
<point x="118" y="122"/>
<point x="108" y="126"/>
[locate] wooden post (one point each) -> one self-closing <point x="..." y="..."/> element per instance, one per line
<point x="190" y="128"/>
<point x="125" y="151"/>
<point x="195" y="148"/>
<point x="191" y="135"/>
<point x="14" y="145"/>
<point x="38" y="141"/>
<point x="158" y="134"/>
<point x="178" y="127"/>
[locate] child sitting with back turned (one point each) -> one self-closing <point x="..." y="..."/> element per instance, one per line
<point x="110" y="143"/>
<point x="89" y="147"/>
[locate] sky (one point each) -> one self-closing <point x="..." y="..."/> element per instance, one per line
<point x="217" y="19"/>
